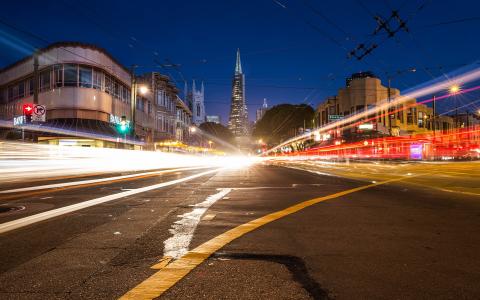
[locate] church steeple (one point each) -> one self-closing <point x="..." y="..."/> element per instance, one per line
<point x="238" y="65"/>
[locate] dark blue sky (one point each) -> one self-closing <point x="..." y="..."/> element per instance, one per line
<point x="284" y="58"/>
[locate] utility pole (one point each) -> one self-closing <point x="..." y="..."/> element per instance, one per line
<point x="388" y="108"/>
<point x="35" y="77"/>
<point x="389" y="91"/>
<point x="434" y="117"/>
<point x="133" y="100"/>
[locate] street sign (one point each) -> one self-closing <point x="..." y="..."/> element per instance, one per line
<point x="39" y="113"/>
<point x="335" y="117"/>
<point x="19" y="120"/>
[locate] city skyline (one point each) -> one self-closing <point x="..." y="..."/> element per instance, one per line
<point x="292" y="70"/>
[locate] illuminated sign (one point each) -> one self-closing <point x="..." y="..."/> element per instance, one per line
<point x="118" y="121"/>
<point x="416" y="151"/>
<point x="366" y="126"/>
<point x="28" y="109"/>
<point x="335" y="117"/>
<point x="20" y="120"/>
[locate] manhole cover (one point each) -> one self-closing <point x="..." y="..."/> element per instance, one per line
<point x="6" y="209"/>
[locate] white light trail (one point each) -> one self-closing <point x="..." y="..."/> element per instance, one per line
<point x="23" y="161"/>
<point x="19" y="223"/>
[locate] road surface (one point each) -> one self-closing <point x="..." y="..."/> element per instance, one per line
<point x="245" y="233"/>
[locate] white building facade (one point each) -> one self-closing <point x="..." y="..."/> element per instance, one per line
<point x="196" y="98"/>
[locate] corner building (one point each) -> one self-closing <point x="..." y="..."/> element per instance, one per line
<point x="86" y="92"/>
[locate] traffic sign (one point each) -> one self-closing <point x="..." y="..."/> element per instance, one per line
<point x="335" y="117"/>
<point x="39" y="113"/>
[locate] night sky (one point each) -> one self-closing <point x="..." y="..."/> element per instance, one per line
<point x="292" y="51"/>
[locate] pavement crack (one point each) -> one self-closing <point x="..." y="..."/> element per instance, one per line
<point x="295" y="265"/>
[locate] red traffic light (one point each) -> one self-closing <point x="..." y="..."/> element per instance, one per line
<point x="28" y="109"/>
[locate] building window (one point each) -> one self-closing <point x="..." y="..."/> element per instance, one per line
<point x="410" y="116"/>
<point x="97" y="79"/>
<point x="10" y="95"/>
<point x="108" y="84"/>
<point x="44" y="81"/>
<point x="58" y="75"/>
<point x="21" y="89"/>
<point x="198" y="110"/>
<point x="116" y="88"/>
<point x="85" y="76"/>
<point x="421" y="119"/>
<point x="30" y="86"/>
<point x="70" y="75"/>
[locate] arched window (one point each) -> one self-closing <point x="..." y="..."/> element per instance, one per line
<point x="198" y="109"/>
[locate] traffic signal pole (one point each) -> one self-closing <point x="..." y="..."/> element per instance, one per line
<point x="35" y="77"/>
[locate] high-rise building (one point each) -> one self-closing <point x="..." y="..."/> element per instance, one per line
<point x="261" y="111"/>
<point x="196" y="102"/>
<point x="238" y="121"/>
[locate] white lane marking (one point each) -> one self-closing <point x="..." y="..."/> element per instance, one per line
<point x="183" y="229"/>
<point x="8" y="226"/>
<point x="57" y="185"/>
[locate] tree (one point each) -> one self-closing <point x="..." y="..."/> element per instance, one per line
<point x="282" y="122"/>
<point x="220" y="135"/>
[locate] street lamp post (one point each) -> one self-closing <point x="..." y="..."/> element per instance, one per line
<point x="133" y="100"/>
<point x="434" y="115"/>
<point x="389" y="93"/>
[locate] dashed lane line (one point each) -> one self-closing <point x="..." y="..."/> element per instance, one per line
<point x="170" y="273"/>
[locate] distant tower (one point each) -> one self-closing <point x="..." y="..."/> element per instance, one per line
<point x="197" y="100"/>
<point x="238" y="121"/>
<point x="261" y="111"/>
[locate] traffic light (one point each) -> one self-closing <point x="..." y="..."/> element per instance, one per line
<point x="27" y="112"/>
<point x="123" y="126"/>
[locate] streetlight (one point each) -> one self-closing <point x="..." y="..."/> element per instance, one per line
<point x="210" y="144"/>
<point x="454" y="89"/>
<point x="143" y="89"/>
<point x="133" y="97"/>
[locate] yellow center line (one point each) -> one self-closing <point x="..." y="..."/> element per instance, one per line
<point x="169" y="275"/>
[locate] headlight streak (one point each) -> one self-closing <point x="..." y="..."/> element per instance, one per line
<point x="23" y="161"/>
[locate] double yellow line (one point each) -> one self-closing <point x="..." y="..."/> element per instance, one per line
<point x="169" y="275"/>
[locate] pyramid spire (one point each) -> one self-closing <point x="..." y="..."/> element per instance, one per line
<point x="238" y="65"/>
<point x="202" y="89"/>
<point x="194" y="88"/>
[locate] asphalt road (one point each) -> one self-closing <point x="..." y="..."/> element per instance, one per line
<point x="388" y="241"/>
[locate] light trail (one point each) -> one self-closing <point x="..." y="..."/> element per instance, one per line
<point x="460" y="144"/>
<point x="94" y="181"/>
<point x="463" y="76"/>
<point x="19" y="223"/>
<point x="25" y="162"/>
